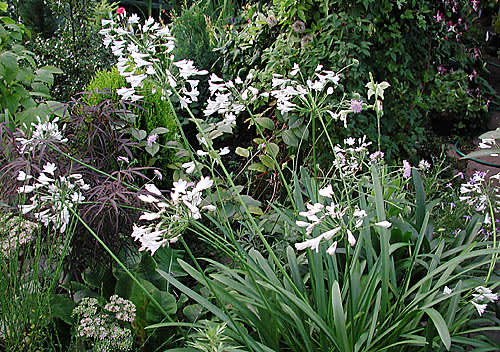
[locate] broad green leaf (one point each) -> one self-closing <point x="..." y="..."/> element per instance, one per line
<point x="255" y="210"/>
<point x="52" y="69"/>
<point x="265" y="122"/>
<point x="290" y="139"/>
<point x="482" y="153"/>
<point x="273" y="149"/>
<point x="9" y="60"/>
<point x="3" y="6"/>
<point x="153" y="149"/>
<point x="138" y="134"/>
<point x="294" y="269"/>
<point x="267" y="161"/>
<point x="384" y="237"/>
<point x="242" y="152"/>
<point x="440" y="325"/>
<point x="193" y="312"/>
<point x="40" y="89"/>
<point x="495" y="134"/>
<point x="167" y="302"/>
<point x="61" y="307"/>
<point x="339" y="317"/>
<point x="45" y="76"/>
<point x="420" y="197"/>
<point x="160" y="130"/>
<point x="257" y="167"/>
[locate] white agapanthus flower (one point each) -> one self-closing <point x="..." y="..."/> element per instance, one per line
<point x="43" y="132"/>
<point x="326" y="191"/>
<point x="186" y="201"/>
<point x="481" y="299"/>
<point x="53" y="196"/>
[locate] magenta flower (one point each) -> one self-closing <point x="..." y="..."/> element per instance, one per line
<point x="356" y="106"/>
<point x="407" y="169"/>
<point x="152" y="139"/>
<point x="120" y="10"/>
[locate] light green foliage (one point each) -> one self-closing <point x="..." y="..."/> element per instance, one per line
<point x="104" y="80"/>
<point x="193" y="36"/>
<point x="152" y="113"/>
<point x="381" y="35"/>
<point x="384" y="292"/>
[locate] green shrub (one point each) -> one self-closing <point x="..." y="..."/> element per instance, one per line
<point x="456" y="105"/>
<point x="152" y="112"/>
<point x="104" y="80"/>
<point x="23" y="85"/>
<point x="193" y="37"/>
<point x="402" y="43"/>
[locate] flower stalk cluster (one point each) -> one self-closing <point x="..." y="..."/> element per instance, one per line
<point x="52" y="196"/>
<point x="171" y="215"/>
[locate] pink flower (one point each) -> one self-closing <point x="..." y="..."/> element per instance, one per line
<point x="356" y="106"/>
<point x="152" y="139"/>
<point x="441" y="69"/>
<point x="407" y="169"/>
<point x="120" y="10"/>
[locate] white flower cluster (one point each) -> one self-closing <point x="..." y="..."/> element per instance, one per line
<point x="101" y="328"/>
<point x="52" y="196"/>
<point x="124" y="309"/>
<point x="482" y="298"/>
<point x="15" y="231"/>
<point x="349" y="159"/>
<point x="474" y="191"/>
<point x="140" y="50"/>
<point x="317" y="213"/>
<point x="168" y="221"/>
<point x="228" y="99"/>
<point x="42" y="132"/>
<point x="286" y="89"/>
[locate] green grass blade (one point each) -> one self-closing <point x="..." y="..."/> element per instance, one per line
<point x="420" y="197"/>
<point x="440" y="325"/>
<point x="384" y="238"/>
<point x="339" y="318"/>
<point x="294" y="270"/>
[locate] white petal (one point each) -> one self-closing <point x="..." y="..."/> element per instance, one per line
<point x="153" y="189"/>
<point x="149" y="216"/>
<point x="147" y="198"/>
<point x="326" y="192"/>
<point x="329" y="234"/>
<point x="385" y="224"/>
<point x="351" y="239"/>
<point x="331" y="250"/>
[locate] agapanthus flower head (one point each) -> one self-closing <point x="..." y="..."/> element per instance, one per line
<point x="43" y="133"/>
<point x="356" y="106"/>
<point x="299" y="26"/>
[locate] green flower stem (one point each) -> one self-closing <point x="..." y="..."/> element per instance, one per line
<point x="208" y="283"/>
<point x="495" y="255"/>
<point x="240" y="199"/>
<point x="118" y="261"/>
<point x="131" y="186"/>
